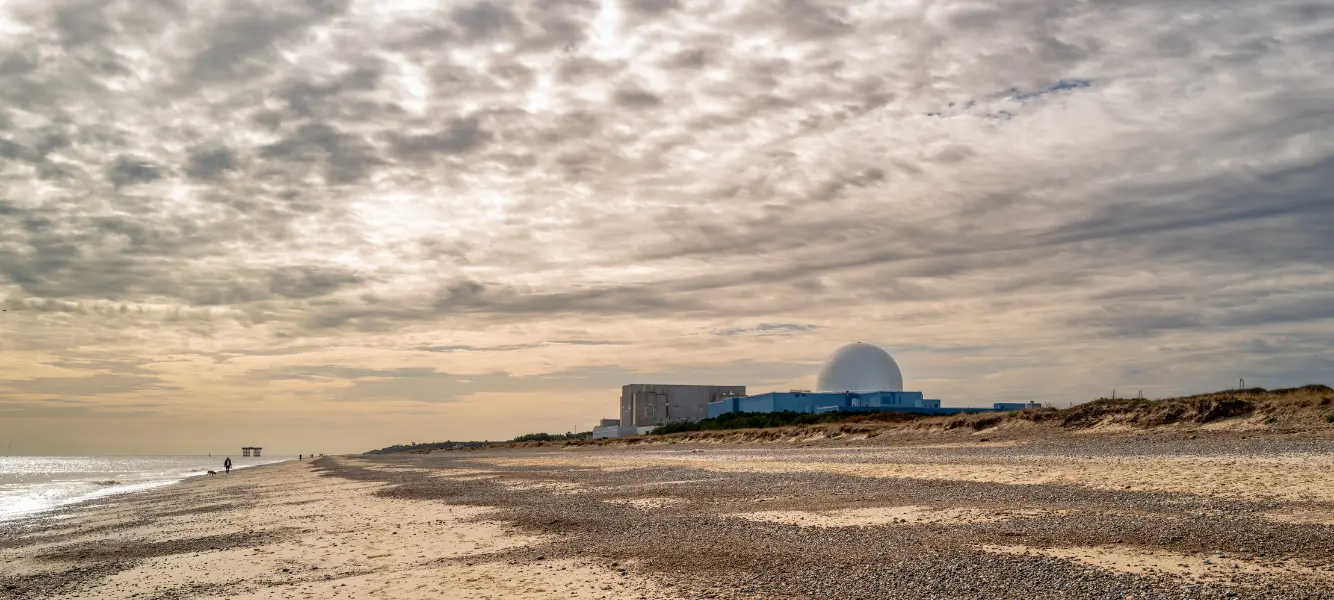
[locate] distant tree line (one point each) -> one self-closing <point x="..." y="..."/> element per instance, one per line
<point x="552" y="437"/>
<point x="528" y="437"/>
<point x="414" y="446"/>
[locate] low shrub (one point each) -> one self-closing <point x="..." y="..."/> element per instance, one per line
<point x="984" y="422"/>
<point x="745" y="420"/>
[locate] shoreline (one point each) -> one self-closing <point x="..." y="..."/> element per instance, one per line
<point x="716" y="521"/>
<point x="111" y="492"/>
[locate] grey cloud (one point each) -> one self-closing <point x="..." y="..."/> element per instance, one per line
<point x="471" y="296"/>
<point x="50" y="142"/>
<point x="833" y="188"/>
<point x="17" y="63"/>
<point x="561" y="26"/>
<point x="344" y="157"/>
<point x="815" y="19"/>
<point x="1301" y="191"/>
<point x="653" y="7"/>
<point x="690" y="59"/>
<point x="1140" y="321"/>
<point x="460" y="136"/>
<point x="636" y="98"/>
<point x="768" y="187"/>
<point x="92" y="385"/>
<point x="339" y="97"/>
<point x="310" y="282"/>
<point x="206" y="163"/>
<point x="581" y="69"/>
<point x="123" y="258"/>
<point x="129" y="170"/>
<point x="429" y="386"/>
<point x="118" y="367"/>
<point x="516" y="347"/>
<point x="81" y="22"/>
<point x="465" y="348"/>
<point x="484" y="20"/>
<point x="234" y="46"/>
<point x="10" y="150"/>
<point x="467" y="297"/>
<point x="769" y="329"/>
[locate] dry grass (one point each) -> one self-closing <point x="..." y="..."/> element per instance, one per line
<point x="1303" y="408"/>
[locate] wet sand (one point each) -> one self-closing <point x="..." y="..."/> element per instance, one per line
<point x="1114" y="516"/>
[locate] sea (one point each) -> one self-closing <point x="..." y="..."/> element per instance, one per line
<point x="32" y="485"/>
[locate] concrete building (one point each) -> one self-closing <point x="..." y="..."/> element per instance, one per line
<point x="652" y="405"/>
<point x="615" y="431"/>
<point x="608" y="428"/>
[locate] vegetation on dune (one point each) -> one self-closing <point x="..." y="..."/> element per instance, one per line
<point x="415" y="447"/>
<point x="552" y="437"/>
<point x="744" y="420"/>
<point x="424" y="448"/>
<point x="1301" y="406"/>
<point x="786" y="418"/>
<point x="1277" y="405"/>
<point x="1307" y="406"/>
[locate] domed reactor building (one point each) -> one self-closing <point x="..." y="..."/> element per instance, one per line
<point x="857" y="378"/>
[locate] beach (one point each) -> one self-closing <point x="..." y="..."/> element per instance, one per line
<point x="1225" y="515"/>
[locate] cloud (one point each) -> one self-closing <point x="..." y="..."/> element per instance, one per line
<point x="237" y="43"/>
<point x="484" y="20"/>
<point x="517" y="347"/>
<point x="636" y="98"/>
<point x="321" y="148"/>
<point x="1072" y="189"/>
<point x="769" y="329"/>
<point x="131" y="171"/>
<point x="459" y="137"/>
<point x="466" y="348"/>
<point x="430" y="386"/>
<point x="92" y="385"/>
<point x="210" y="163"/>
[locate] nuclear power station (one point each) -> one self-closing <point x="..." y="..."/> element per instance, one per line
<point x="856" y="378"/>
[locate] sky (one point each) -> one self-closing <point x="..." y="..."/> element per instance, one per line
<point x="334" y="225"/>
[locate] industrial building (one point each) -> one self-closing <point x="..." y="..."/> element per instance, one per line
<point x="857" y="378"/>
<point x="610" y="428"/>
<point x="820" y="402"/>
<point x="1008" y="406"/>
<point x="647" y="406"/>
<point x="653" y="405"/>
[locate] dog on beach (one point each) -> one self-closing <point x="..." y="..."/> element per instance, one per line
<point x="212" y="472"/>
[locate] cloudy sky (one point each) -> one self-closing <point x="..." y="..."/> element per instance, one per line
<point x="333" y="225"/>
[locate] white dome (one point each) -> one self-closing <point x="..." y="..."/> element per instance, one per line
<point x="860" y="368"/>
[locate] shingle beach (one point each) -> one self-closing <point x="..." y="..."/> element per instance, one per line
<point x="1219" y="515"/>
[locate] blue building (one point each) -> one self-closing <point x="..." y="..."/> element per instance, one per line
<point x="1016" y="405"/>
<point x="823" y="402"/>
<point x="857" y="378"/>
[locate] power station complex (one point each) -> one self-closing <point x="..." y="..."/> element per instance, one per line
<point x="857" y="378"/>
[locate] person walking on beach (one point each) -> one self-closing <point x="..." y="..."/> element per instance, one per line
<point x="227" y="464"/>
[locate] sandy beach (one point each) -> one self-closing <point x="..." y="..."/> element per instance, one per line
<point x="1112" y="516"/>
